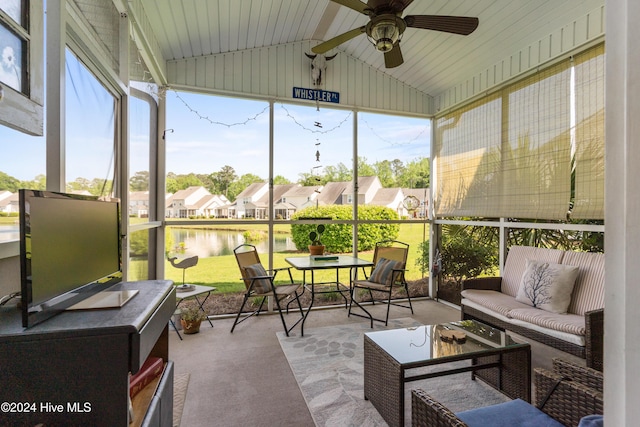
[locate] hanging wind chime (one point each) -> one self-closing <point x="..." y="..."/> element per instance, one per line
<point x="316" y="168"/>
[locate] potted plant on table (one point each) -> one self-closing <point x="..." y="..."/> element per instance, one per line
<point x="316" y="247"/>
<point x="191" y="317"/>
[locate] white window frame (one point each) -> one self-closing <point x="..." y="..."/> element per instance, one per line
<point x="25" y="113"/>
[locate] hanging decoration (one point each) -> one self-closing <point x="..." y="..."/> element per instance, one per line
<point x="317" y="125"/>
<point x="318" y="67"/>
<point x="214" y="122"/>
<point x="315" y="171"/>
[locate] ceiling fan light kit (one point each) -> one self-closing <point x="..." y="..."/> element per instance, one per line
<point x="385" y="31"/>
<point x="386" y="27"/>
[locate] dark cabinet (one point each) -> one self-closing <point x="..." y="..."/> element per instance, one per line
<point x="73" y="369"/>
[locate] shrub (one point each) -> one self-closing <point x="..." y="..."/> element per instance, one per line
<point x="464" y="257"/>
<point x="139" y="244"/>
<point x="338" y="238"/>
<point x="254" y="235"/>
<point x="422" y="260"/>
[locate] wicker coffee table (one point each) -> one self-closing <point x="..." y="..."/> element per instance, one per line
<point x="391" y="358"/>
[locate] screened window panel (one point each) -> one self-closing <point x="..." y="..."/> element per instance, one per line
<point x="467" y="160"/>
<point x="589" y="135"/>
<point x="537" y="146"/>
<point x="509" y="154"/>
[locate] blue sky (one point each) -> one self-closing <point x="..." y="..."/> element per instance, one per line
<point x="211" y="132"/>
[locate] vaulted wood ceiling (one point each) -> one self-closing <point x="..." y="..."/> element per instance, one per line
<point x="433" y="61"/>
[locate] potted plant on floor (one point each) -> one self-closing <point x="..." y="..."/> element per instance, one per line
<point x="191" y="317"/>
<point x="316" y="247"/>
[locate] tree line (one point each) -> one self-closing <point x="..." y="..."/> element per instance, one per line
<point x="391" y="173"/>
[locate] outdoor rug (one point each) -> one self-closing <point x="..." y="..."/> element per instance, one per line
<point x="180" y="385"/>
<point x="328" y="366"/>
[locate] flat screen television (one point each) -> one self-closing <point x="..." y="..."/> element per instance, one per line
<point x="70" y="250"/>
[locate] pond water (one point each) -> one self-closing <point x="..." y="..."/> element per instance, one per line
<point x="9" y="233"/>
<point x="208" y="243"/>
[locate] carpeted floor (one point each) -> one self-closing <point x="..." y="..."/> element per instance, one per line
<point x="332" y="384"/>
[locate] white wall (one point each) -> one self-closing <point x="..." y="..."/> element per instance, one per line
<point x="563" y="41"/>
<point x="273" y="71"/>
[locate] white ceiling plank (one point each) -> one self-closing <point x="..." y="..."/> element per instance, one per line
<point x="513" y="36"/>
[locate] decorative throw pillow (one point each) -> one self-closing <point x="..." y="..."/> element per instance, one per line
<point x="260" y="286"/>
<point x="547" y="285"/>
<point x="383" y="272"/>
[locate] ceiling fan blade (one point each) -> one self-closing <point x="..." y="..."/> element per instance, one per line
<point x="338" y="40"/>
<point x="463" y="25"/>
<point x="356" y="5"/>
<point x="395" y="6"/>
<point x="393" y="58"/>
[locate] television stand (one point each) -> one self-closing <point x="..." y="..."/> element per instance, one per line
<point x="73" y="369"/>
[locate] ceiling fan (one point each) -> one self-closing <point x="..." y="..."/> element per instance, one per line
<point x="387" y="25"/>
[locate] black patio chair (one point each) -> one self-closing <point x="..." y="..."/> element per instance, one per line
<point x="387" y="273"/>
<point x="259" y="283"/>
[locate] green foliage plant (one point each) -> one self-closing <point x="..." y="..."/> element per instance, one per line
<point x="338" y="238"/>
<point x="422" y="260"/>
<point x="463" y="256"/>
<point x="315" y="236"/>
<point x="254" y="235"/>
<point x="139" y="244"/>
<point x="192" y="313"/>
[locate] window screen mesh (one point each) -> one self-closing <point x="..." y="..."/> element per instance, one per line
<point x="467" y="160"/>
<point x="537" y="150"/>
<point x="507" y="155"/>
<point x="510" y="154"/>
<point x="589" y="157"/>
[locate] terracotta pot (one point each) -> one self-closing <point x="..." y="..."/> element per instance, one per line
<point x="316" y="250"/>
<point x="190" y="326"/>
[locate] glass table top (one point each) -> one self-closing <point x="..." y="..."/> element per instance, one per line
<point x="326" y="262"/>
<point x="423" y="343"/>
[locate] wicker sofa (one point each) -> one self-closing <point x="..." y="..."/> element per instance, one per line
<point x="579" y="331"/>
<point x="567" y="394"/>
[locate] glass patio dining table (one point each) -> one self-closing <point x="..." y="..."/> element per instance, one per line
<point x="310" y="264"/>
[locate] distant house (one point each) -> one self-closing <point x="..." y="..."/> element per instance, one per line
<point x="188" y="203"/>
<point x="246" y="204"/>
<point x="295" y="198"/>
<point x="331" y="193"/>
<point x="253" y="201"/>
<point x="260" y="208"/>
<point x="389" y="197"/>
<point x="9" y="202"/>
<point x="139" y="204"/>
<point x="215" y="206"/>
<point x="368" y="186"/>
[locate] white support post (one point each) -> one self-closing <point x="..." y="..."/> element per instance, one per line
<point x="622" y="219"/>
<point x="55" y="99"/>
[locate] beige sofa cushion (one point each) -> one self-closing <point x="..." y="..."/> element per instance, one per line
<point x="495" y="301"/>
<point x="516" y="264"/>
<point x="570" y="323"/>
<point x="588" y="293"/>
<point x="547" y="285"/>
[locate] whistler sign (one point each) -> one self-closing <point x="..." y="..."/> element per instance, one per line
<point x="316" y="95"/>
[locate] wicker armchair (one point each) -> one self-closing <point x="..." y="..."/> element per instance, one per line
<point x="577" y="393"/>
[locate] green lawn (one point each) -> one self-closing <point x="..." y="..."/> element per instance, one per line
<point x="222" y="271"/>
